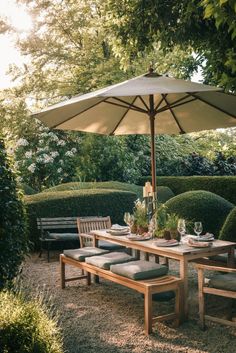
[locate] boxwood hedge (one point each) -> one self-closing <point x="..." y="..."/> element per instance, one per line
<point x="204" y="206"/>
<point x="224" y="186"/>
<point x="26" y="326"/>
<point x="228" y="231"/>
<point x="164" y="193"/>
<point x="78" y="203"/>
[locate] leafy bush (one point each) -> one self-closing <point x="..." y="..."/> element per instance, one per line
<point x="164" y="194"/>
<point x="13" y="231"/>
<point x="25" y="326"/>
<point x="78" y="203"/>
<point x="28" y="190"/>
<point x="203" y="206"/>
<point x="228" y="230"/>
<point x="224" y="186"/>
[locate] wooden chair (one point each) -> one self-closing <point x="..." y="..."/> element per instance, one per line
<point x="220" y="288"/>
<point x="87" y="224"/>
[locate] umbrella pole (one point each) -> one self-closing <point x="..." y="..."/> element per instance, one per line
<point x="153" y="150"/>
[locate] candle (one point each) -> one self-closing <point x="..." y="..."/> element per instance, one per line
<point x="147" y="189"/>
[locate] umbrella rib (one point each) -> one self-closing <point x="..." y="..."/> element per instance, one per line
<point x="174" y="116"/>
<point x="123" y="116"/>
<point x="173" y="105"/>
<point x="158" y="104"/>
<point x="214" y="106"/>
<point x="144" y="103"/>
<point x="73" y="116"/>
<point x="129" y="105"/>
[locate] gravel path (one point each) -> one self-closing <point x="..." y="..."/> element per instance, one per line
<point x="108" y="318"/>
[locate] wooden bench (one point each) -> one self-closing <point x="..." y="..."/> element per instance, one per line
<point x="147" y="287"/>
<point x="48" y="228"/>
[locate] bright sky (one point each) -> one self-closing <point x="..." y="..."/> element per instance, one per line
<point x="21" y="20"/>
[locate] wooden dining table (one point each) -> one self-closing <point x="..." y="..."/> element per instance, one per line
<point x="182" y="253"/>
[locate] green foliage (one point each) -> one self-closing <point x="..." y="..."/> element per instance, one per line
<point x="171" y="221"/>
<point x="140" y="213"/>
<point x="224" y="186"/>
<point x="208" y="27"/>
<point x="203" y="206"/>
<point x="13" y="229"/>
<point x="228" y="230"/>
<point x="111" y="185"/>
<point x="164" y="193"/>
<point x="78" y="203"/>
<point x="25" y="326"/>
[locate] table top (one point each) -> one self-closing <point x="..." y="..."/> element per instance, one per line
<point x="218" y="246"/>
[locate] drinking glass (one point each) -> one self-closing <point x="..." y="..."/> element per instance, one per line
<point x="198" y="228"/>
<point x="181" y="227"/>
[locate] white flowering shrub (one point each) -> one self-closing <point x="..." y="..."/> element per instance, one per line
<point x="46" y="159"/>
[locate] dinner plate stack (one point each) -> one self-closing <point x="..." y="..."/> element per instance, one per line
<point x="116" y="229"/>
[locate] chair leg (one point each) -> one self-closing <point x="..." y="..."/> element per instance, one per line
<point x="201" y="298"/>
<point x="146" y="256"/>
<point x="62" y="266"/>
<point x="157" y="259"/>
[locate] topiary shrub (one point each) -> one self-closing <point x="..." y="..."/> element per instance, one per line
<point x="78" y="203"/>
<point x="228" y="231"/>
<point x="25" y="326"/>
<point x="224" y="186"/>
<point x="13" y="231"/>
<point x="164" y="194"/>
<point x="111" y="185"/>
<point x="203" y="206"/>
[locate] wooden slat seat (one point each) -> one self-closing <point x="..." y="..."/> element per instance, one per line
<point x="147" y="287"/>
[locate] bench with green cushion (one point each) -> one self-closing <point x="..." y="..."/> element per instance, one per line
<point x="111" y="258"/>
<point x="106" y="245"/>
<point x="222" y="258"/>
<point x="83" y="253"/>
<point x="223" y="281"/>
<point x="63" y="236"/>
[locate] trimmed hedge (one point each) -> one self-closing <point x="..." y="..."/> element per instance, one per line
<point x="111" y="185"/>
<point x="224" y="186"/>
<point x="228" y="231"/>
<point x="25" y="326"/>
<point x="164" y="193"/>
<point x="77" y="203"/>
<point x="203" y="206"/>
<point x="28" y="190"/>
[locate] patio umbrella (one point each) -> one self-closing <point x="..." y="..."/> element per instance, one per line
<point x="148" y="104"/>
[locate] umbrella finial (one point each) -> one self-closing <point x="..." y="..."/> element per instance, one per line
<point x="151" y="72"/>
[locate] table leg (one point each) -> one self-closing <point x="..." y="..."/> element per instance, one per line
<point x="183" y="271"/>
<point x="231" y="259"/>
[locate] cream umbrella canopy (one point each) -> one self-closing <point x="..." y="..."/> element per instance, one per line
<point x="148" y="104"/>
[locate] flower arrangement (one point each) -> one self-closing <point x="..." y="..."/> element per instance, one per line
<point x="140" y="216"/>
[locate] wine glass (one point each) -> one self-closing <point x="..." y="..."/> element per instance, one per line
<point x="181" y="227"/>
<point x="198" y="228"/>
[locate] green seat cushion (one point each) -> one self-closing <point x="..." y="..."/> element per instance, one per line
<point x="63" y="236"/>
<point x="83" y="253"/>
<point x="102" y="244"/>
<point x="140" y="270"/>
<point x="105" y="261"/>
<point x="224" y="281"/>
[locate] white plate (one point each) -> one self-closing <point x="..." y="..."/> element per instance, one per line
<point x="137" y="237"/>
<point x="166" y="244"/>
<point x="113" y="232"/>
<point x="200" y="238"/>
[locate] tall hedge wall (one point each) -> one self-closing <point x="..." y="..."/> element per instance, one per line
<point x="224" y="186"/>
<point x="77" y="203"/>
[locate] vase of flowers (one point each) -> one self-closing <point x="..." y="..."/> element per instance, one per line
<point x="140" y="217"/>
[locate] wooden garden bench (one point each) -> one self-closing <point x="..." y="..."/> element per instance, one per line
<point x="51" y="231"/>
<point x="147" y="287"/>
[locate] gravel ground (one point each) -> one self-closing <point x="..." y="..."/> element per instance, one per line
<point x="108" y="318"/>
